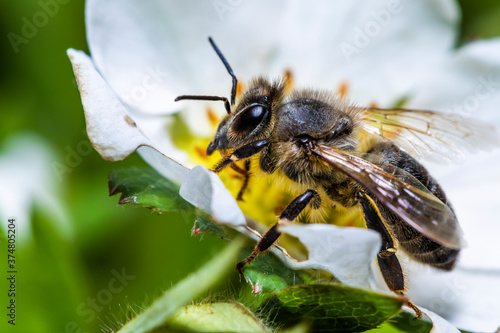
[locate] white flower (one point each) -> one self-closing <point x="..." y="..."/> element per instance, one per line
<point x="146" y="54"/>
<point x="28" y="180"/>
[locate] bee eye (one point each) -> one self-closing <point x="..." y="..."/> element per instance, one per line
<point x="248" y="119"/>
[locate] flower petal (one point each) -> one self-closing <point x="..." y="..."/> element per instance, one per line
<point x="27" y="174"/>
<point x="113" y="133"/>
<point x="156" y="51"/>
<point x="467" y="83"/>
<point x="439" y="325"/>
<point x="205" y="190"/>
<point x="466" y="298"/>
<point x="345" y="252"/>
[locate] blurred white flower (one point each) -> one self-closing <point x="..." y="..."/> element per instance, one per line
<point x="146" y="54"/>
<point x="27" y="181"/>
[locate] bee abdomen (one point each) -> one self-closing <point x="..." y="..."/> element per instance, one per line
<point x="423" y="249"/>
<point x="416" y="245"/>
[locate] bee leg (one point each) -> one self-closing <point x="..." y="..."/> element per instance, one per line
<point x="387" y="260"/>
<point x="289" y="214"/>
<point x="246" y="175"/>
<point x="241" y="153"/>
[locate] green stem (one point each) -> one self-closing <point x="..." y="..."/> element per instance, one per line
<point x="185" y="291"/>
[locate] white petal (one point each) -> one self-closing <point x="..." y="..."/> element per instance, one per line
<point x="439" y="325"/>
<point x="166" y="166"/>
<point x="28" y="172"/>
<point x="467" y="83"/>
<point x="205" y="190"/>
<point x="470" y="189"/>
<point x="466" y="298"/>
<point x="345" y="252"/>
<point x="394" y="46"/>
<point x="112" y="131"/>
<point x="161" y="49"/>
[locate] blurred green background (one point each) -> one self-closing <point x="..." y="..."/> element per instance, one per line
<point x="67" y="282"/>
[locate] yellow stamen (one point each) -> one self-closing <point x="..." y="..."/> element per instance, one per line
<point x="288" y="78"/>
<point x="212" y="117"/>
<point x="343" y="89"/>
<point x="240" y="87"/>
<point x="201" y="151"/>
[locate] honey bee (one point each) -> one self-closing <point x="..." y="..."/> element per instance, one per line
<point x="315" y="138"/>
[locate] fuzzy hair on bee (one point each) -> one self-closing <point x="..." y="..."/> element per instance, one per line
<point x="337" y="152"/>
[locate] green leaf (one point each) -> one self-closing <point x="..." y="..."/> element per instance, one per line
<point x="406" y="322"/>
<point x="185" y="291"/>
<point x="267" y="273"/>
<point x="215" y="317"/>
<point x="480" y="20"/>
<point x="330" y="307"/>
<point x="205" y="223"/>
<point x="147" y="188"/>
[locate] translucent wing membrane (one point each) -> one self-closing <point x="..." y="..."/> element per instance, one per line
<point x="438" y="137"/>
<point x="401" y="193"/>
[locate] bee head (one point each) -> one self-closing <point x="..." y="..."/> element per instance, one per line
<point x="252" y="118"/>
<point x="248" y="120"/>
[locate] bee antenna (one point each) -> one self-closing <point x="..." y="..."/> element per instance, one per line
<point x="229" y="70"/>
<point x="206" y="98"/>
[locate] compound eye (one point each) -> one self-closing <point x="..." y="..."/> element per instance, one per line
<point x="248" y="119"/>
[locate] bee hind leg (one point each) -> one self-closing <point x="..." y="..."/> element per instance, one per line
<point x="387" y="261"/>
<point x="289" y="214"/>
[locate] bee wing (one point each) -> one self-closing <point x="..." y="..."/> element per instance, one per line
<point x="401" y="193"/>
<point x="439" y="137"/>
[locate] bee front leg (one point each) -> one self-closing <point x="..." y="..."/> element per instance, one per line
<point x="387" y="261"/>
<point x="241" y="153"/>
<point x="289" y="214"/>
<point x="246" y="177"/>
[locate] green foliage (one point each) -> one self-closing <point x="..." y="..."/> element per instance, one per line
<point x="204" y="223"/>
<point x="147" y="188"/>
<point x="267" y="274"/>
<point x="185" y="291"/>
<point x="479" y="19"/>
<point x="331" y="307"/>
<point x="402" y="323"/>
<point x="215" y="317"/>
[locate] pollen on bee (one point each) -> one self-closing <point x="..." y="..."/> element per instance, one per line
<point x="373" y="105"/>
<point x="343" y="89"/>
